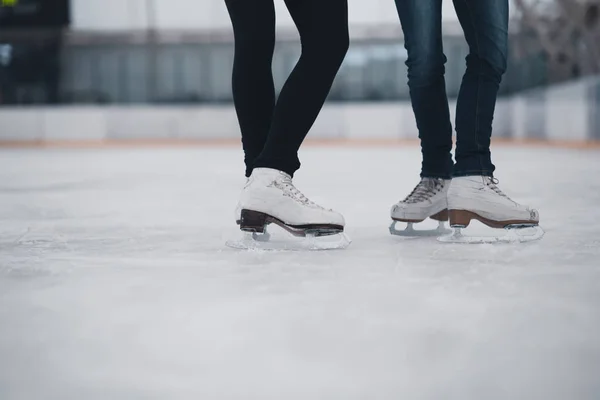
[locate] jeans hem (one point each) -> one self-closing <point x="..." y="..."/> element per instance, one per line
<point x="437" y="176"/>
<point x="473" y="172"/>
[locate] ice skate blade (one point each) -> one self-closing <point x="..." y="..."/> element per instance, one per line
<point x="410" y="231"/>
<point x="512" y="234"/>
<point x="310" y="242"/>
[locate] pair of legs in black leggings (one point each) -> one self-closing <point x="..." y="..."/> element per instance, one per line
<point x="272" y="133"/>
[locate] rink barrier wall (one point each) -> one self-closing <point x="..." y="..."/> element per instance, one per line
<point x="566" y="114"/>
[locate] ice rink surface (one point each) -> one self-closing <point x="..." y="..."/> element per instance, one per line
<point x="115" y="284"/>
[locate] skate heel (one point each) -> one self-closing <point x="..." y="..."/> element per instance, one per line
<point x="442" y="216"/>
<point x="460" y="218"/>
<point x="253" y="221"/>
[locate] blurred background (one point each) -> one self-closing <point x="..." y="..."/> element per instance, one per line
<point x="98" y="70"/>
<point x="121" y="167"/>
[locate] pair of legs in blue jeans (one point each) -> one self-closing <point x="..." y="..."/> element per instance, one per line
<point x="485" y="26"/>
<point x="272" y="132"/>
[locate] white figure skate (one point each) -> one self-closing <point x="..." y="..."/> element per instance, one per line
<point x="427" y="200"/>
<point x="479" y="198"/>
<point x="270" y="197"/>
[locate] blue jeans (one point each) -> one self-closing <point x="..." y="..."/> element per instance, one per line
<point x="485" y="26"/>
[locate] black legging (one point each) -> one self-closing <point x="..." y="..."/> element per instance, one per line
<point x="272" y="133"/>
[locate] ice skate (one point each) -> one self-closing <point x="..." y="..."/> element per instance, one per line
<point x="479" y="198"/>
<point x="427" y="200"/>
<point x="270" y="197"/>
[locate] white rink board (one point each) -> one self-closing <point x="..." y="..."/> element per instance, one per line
<point x="514" y="119"/>
<point x="115" y="284"/>
<point x="567" y="112"/>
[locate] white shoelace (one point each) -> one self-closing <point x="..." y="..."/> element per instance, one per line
<point x="492" y="184"/>
<point x="297" y="194"/>
<point x="427" y="188"/>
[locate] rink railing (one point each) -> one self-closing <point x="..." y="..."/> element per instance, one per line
<point x="568" y="113"/>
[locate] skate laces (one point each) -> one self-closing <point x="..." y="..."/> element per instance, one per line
<point x="492" y="183"/>
<point x="427" y="188"/>
<point x="297" y="194"/>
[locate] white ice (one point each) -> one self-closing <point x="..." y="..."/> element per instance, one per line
<point x="115" y="284"/>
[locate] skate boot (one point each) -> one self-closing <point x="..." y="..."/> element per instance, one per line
<point x="427" y="200"/>
<point x="270" y="197"/>
<point x="479" y="198"/>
